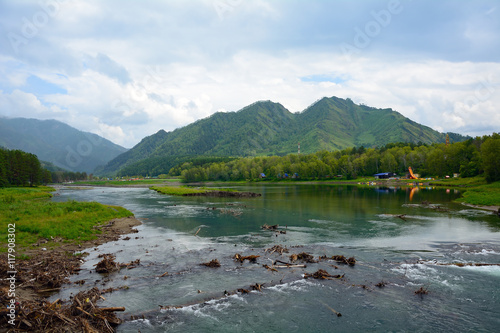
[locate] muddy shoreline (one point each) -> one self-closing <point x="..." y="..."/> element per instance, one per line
<point x="47" y="268"/>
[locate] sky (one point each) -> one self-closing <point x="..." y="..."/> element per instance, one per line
<point x="125" y="69"/>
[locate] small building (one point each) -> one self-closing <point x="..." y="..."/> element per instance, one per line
<point x="384" y="175"/>
<point x="262" y="175"/>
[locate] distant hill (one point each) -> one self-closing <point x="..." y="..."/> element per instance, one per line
<point x="267" y="128"/>
<point x="58" y="143"/>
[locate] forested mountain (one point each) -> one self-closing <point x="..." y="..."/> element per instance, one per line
<point x="267" y="128"/>
<point x="58" y="143"/>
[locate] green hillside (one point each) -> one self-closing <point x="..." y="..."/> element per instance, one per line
<point x="267" y="128"/>
<point x="58" y="143"/>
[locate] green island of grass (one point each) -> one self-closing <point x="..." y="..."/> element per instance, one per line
<point x="202" y="191"/>
<point x="33" y="216"/>
<point x="177" y="190"/>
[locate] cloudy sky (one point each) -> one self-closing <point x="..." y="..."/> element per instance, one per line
<point x="126" y="69"/>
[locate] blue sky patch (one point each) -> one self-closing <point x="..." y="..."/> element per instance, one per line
<point x="323" y="78"/>
<point x="39" y="87"/>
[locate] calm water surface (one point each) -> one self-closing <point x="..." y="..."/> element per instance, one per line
<point x="405" y="254"/>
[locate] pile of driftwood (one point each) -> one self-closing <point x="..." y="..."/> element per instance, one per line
<point x="81" y="315"/>
<point x="303" y="256"/>
<point x="45" y="273"/>
<point x="340" y="259"/>
<point x="109" y="265"/>
<point x="277" y="248"/>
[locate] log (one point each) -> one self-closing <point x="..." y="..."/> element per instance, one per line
<point x="112" y="309"/>
<point x="289" y="266"/>
<point x="82" y="310"/>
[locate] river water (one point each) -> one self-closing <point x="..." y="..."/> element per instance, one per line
<point x="401" y="253"/>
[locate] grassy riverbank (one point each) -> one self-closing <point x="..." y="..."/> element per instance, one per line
<point x="38" y="219"/>
<point x="476" y="191"/>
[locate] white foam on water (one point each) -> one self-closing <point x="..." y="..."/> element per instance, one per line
<point x="299" y="285"/>
<point x="490" y="270"/>
<point x="486" y="252"/>
<point x="416" y="271"/>
<point x="322" y="221"/>
<point x="142" y="321"/>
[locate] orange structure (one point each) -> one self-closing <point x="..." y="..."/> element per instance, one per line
<point x="412" y="176"/>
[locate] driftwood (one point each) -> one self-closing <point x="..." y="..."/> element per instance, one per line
<point x="241" y="259"/>
<point x="421" y="291"/>
<point x="107" y="264"/>
<point x="338" y="314"/>
<point x="340" y="259"/>
<point x="213" y="263"/>
<point x="323" y="275"/>
<point x="303" y="256"/>
<point x="270" y="227"/>
<point x="277" y="248"/>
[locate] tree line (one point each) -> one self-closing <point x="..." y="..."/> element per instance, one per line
<point x="18" y="168"/>
<point x="475" y="156"/>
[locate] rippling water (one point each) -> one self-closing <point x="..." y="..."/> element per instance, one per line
<point x="405" y="253"/>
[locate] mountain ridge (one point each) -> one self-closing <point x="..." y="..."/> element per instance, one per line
<point x="58" y="143"/>
<point x="268" y="128"/>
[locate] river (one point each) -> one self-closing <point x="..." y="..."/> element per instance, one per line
<point x="401" y="239"/>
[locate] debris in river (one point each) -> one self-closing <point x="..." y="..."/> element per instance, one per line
<point x="231" y="211"/>
<point x="270" y="268"/>
<point x="338" y="314"/>
<point x="257" y="286"/>
<point x="241" y="259"/>
<point x="243" y="291"/>
<point x="342" y="259"/>
<point x="82" y="315"/>
<point x="213" y="263"/>
<point x="270" y="227"/>
<point x="381" y="284"/>
<point x="302" y="256"/>
<point x="421" y="291"/>
<point x="458" y="264"/>
<point x="107" y="264"/>
<point x="322" y="274"/>
<point x="132" y="264"/>
<point x="277" y="248"/>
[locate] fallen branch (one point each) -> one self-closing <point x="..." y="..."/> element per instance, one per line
<point x="323" y="275"/>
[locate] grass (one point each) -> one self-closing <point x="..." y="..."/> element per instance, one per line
<point x="460" y="182"/>
<point x="36" y="217"/>
<point x="476" y="191"/>
<point x="184" y="190"/>
<point x="483" y="195"/>
<point x="176" y="190"/>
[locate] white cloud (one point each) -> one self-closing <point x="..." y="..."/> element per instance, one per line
<point x="131" y="69"/>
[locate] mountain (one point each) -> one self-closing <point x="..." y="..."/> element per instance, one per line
<point x="267" y="128"/>
<point x="58" y="143"/>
